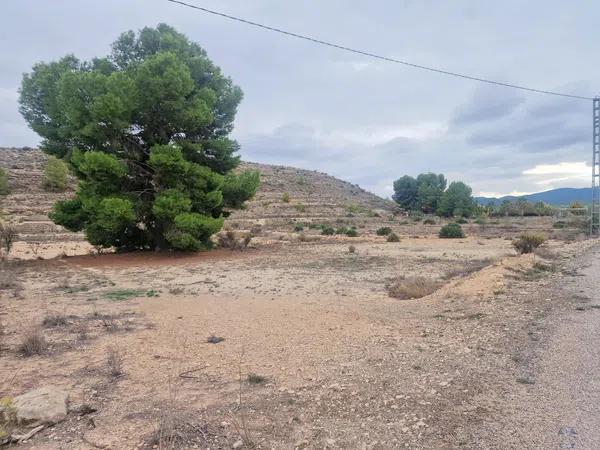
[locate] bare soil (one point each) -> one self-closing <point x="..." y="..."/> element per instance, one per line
<point x="344" y="365"/>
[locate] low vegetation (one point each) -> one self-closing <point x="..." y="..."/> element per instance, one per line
<point x="32" y="343"/>
<point x="114" y="362"/>
<point x="4" y="189"/>
<point x="56" y="173"/>
<point x="405" y="288"/>
<point x="384" y="231"/>
<point x="528" y="242"/>
<point x="8" y="235"/>
<point x="393" y="237"/>
<point x="232" y="241"/>
<point x="54" y="320"/>
<point x="451" y="231"/>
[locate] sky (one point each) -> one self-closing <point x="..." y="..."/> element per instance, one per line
<point x="364" y="120"/>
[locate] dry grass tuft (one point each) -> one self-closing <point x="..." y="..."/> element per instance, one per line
<point x="33" y="343"/>
<point x="405" y="288"/>
<point x="114" y="362"/>
<point x="54" y="320"/>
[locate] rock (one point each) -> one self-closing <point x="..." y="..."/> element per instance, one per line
<point x="45" y="405"/>
<point x="238" y="444"/>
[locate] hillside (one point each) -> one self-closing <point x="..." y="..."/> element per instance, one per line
<point x="313" y="197"/>
<point x="556" y="197"/>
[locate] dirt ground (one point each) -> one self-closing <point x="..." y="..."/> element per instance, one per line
<point x="315" y="354"/>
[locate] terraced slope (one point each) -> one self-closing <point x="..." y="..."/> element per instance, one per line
<point x="313" y="197"/>
<point x="28" y="203"/>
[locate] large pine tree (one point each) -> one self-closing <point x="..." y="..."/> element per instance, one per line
<point x="146" y="132"/>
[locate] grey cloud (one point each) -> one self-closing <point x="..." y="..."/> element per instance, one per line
<point x="487" y="103"/>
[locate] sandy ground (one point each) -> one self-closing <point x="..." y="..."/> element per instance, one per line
<point x="344" y="365"/>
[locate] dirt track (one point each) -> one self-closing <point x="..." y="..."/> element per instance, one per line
<point x="557" y="404"/>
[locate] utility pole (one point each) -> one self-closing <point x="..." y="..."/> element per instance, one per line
<point x="595" y="212"/>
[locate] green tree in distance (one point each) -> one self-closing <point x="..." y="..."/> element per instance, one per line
<point x="430" y="190"/>
<point x="406" y="192"/>
<point x="423" y="193"/>
<point x="457" y="201"/>
<point x="146" y="132"/>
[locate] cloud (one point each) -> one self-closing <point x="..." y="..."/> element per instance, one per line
<point x="574" y="174"/>
<point x="487" y="103"/>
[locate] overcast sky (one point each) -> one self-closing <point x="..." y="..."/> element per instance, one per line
<point x="364" y="120"/>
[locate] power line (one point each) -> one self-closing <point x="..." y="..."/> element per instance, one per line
<point x="373" y="55"/>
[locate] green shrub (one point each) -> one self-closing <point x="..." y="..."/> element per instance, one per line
<point x="327" y="230"/>
<point x="351" y="232"/>
<point x="528" y="242"/>
<point x="393" y="237"/>
<point x="342" y="230"/>
<point x="300" y="207"/>
<point x="298" y="228"/>
<point x="285" y="197"/>
<point x="3" y="182"/>
<point x="384" y="231"/>
<point x="56" y="172"/>
<point x="462" y="221"/>
<point x="559" y="224"/>
<point x="314" y="226"/>
<point x="480" y="221"/>
<point x="429" y="222"/>
<point x="451" y="231"/>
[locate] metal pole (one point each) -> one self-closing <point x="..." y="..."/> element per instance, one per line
<point x="595" y="210"/>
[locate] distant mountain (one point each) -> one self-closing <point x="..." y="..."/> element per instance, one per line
<point x="557" y="197"/>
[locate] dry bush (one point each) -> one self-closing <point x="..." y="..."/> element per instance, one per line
<point x="33" y="343"/>
<point x="8" y="235"/>
<point x="527" y="243"/>
<point x="230" y="240"/>
<point x="54" y="320"/>
<point x="351" y="249"/>
<point x="404" y="288"/>
<point x="110" y="324"/>
<point x="393" y="237"/>
<point x="35" y="248"/>
<point x="114" y="362"/>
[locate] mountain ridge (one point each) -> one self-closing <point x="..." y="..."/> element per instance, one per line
<point x="555" y="197"/>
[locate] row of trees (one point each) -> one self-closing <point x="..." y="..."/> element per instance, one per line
<point x="428" y="193"/>
<point x="519" y="207"/>
<point x="145" y="130"/>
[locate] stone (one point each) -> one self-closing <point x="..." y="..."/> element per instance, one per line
<point x="43" y="406"/>
<point x="238" y="444"/>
